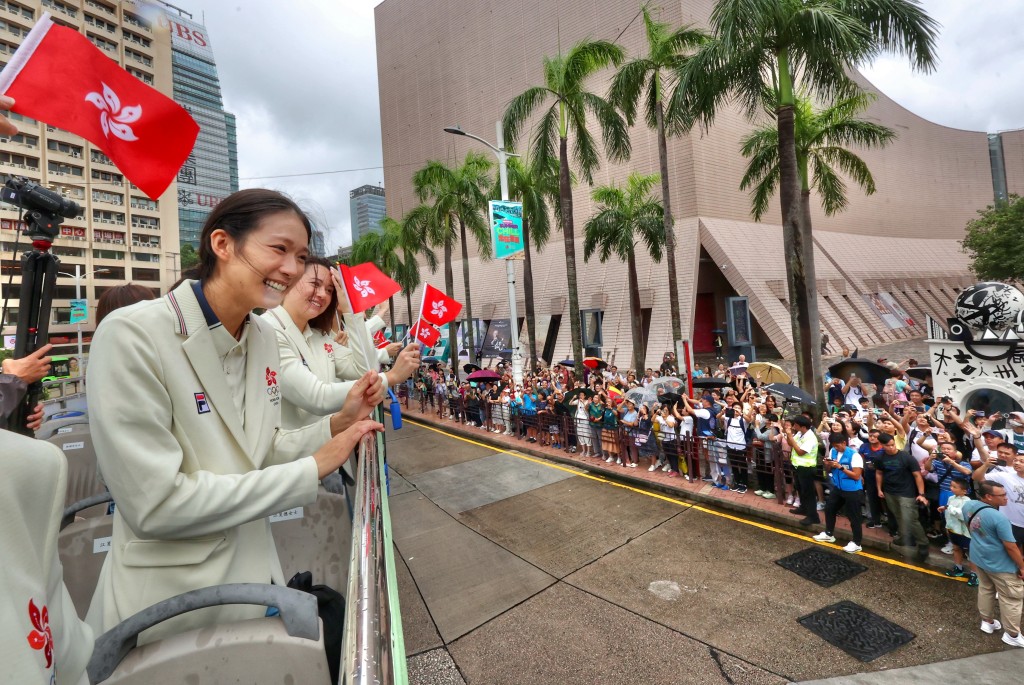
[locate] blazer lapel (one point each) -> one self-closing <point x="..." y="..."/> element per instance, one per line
<point x="262" y="390"/>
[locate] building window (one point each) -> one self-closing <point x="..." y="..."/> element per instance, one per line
<point x="62" y="169"/>
<point x="590" y="322"/>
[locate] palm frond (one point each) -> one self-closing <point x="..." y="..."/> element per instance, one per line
<point x="764" y="191"/>
<point x="546" y="139"/>
<point x="901" y="27"/>
<point x="829" y="186"/>
<point x="613" y="128"/>
<point x="519" y="110"/>
<point x="583" y="146"/>
<point x="627" y="85"/>
<point x="850" y="165"/>
<point x="585" y="58"/>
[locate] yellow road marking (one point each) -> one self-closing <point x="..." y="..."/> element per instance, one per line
<point x="673" y="500"/>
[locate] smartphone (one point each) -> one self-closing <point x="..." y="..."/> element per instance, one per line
<point x="979" y="414"/>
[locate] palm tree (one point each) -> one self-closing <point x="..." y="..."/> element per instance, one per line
<point x="380" y="248"/>
<point x="821" y="140"/>
<point x="457" y="197"/>
<point x="412" y="243"/>
<point x="762" y="53"/>
<point x="649" y="78"/>
<point x="565" y="78"/>
<point x="533" y="187"/>
<point x="625" y="217"/>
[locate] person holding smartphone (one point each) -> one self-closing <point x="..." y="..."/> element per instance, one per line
<point x="845" y="468"/>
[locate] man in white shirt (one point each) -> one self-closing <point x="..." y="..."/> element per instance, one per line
<point x="853" y="391"/>
<point x="1013" y="480"/>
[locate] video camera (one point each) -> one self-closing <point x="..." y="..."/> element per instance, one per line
<point x="43" y="208"/>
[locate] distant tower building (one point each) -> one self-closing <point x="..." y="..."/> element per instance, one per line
<point x="366" y="209"/>
<point x="211" y="171"/>
<point x="318" y="245"/>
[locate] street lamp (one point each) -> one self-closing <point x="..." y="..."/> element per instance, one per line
<point x="510" y="271"/>
<point x="78" y="276"/>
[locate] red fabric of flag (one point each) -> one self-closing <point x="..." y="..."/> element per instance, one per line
<point x="57" y="76"/>
<point x="366" y="286"/>
<point x="438" y="308"/>
<point x="380" y="341"/>
<point x="427" y="334"/>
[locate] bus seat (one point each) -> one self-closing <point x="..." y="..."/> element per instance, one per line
<point x="317" y="539"/>
<point x="61" y="424"/>
<point x="82" y="547"/>
<point x="83" y="473"/>
<point x="287" y="648"/>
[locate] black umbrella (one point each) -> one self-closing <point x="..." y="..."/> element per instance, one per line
<point x="470" y="368"/>
<point x="567" y="362"/>
<point x="710" y="383"/>
<point x="790" y="393"/>
<point x="867" y="371"/>
<point x="670" y="398"/>
<point x="921" y="373"/>
<point x="586" y="392"/>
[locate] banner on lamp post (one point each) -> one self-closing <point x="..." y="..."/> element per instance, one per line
<point x="506" y="228"/>
<point x="79" y="311"/>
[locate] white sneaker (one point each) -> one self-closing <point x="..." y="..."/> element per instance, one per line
<point x="759" y="493"/>
<point x="821" y="506"/>
<point x="666" y="468"/>
<point x="653" y="467"/>
<point x="852" y="547"/>
<point x="825" y="537"/>
<point x="1014" y="641"/>
<point x="948" y="548"/>
<point x="789" y="500"/>
<point x="619" y="462"/>
<point x="609" y="460"/>
<point x="796" y="503"/>
<point x="992" y="627"/>
<point x="632" y="465"/>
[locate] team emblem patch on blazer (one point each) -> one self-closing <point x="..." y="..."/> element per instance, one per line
<point x="329" y="348"/>
<point x="202" y="404"/>
<point x="273" y="391"/>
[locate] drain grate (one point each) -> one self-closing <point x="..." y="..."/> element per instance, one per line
<point x="820" y="566"/>
<point x="857" y="631"/>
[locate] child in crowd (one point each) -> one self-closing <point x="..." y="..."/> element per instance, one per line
<point x="956" y="528"/>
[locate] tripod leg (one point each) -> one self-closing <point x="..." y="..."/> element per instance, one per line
<point x="38" y="280"/>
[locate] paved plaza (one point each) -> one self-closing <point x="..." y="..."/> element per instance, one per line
<point x="516" y="570"/>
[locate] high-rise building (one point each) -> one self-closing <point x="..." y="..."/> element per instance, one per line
<point x="211" y="171"/>
<point x="121" y="235"/>
<point x="366" y="208"/>
<point x="318" y="243"/>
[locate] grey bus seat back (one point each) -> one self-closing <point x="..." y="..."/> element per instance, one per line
<point x="281" y="649"/>
<point x="82" y="547"/>
<point x="64" y="426"/>
<point x="317" y="540"/>
<point x="83" y="473"/>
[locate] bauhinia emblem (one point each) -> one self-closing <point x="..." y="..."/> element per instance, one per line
<point x="114" y="118"/>
<point x="363" y="287"/>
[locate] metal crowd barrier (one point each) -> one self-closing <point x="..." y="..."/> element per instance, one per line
<point x="373" y="643"/>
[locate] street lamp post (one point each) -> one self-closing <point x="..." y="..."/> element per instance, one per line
<point x="510" y="270"/>
<point x="78" y="276"/>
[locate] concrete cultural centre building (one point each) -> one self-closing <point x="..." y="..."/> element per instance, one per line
<point x="882" y="265"/>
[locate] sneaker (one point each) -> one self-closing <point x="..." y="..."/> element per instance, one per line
<point x="947" y="548"/>
<point x="572" y="450"/>
<point x="789" y="500"/>
<point x="734" y="487"/>
<point x="809" y="521"/>
<point x="1017" y="641"/>
<point x="722" y="486"/>
<point x="707" y="479"/>
<point x="759" y="493"/>
<point x="796" y="503"/>
<point x="768" y="495"/>
<point x="992" y="627"/>
<point x="632" y="465"/>
<point x="874" y="525"/>
<point x="956" y="573"/>
<point x="672" y="474"/>
<point x="609" y="460"/>
<point x="742" y="489"/>
<point x="821" y="506"/>
<point x="934" y="535"/>
<point x="653" y="467"/>
<point x="824" y="536"/>
<point x="619" y="462"/>
<point x="666" y="468"/>
<point x="852" y="547"/>
<point x="795" y="511"/>
<point x="972" y="580"/>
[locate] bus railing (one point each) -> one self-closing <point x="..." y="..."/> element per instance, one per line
<point x="373" y="642"/>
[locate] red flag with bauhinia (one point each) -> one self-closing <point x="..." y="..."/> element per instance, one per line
<point x="438" y="308"/>
<point x="380" y="341"/>
<point x="366" y="286"/>
<point x="57" y="76"/>
<point x="427" y="334"/>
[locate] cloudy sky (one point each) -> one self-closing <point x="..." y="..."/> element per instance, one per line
<point x="303" y="84"/>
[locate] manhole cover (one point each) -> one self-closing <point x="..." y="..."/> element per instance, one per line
<point x="857" y="631"/>
<point x="821" y="567"/>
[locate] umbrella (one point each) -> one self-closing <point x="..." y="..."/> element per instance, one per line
<point x="595" y="363"/>
<point x="615" y="394"/>
<point x="710" y="383"/>
<point x="921" y="373"/>
<point x="567" y="362"/>
<point x="430" y="360"/>
<point x="586" y="392"/>
<point x="867" y="371"/>
<point x="738" y="369"/>
<point x="670" y="398"/>
<point x="769" y="373"/>
<point x="484" y="375"/>
<point x="790" y="393"/>
<point x="470" y="368"/>
<point x="642" y="396"/>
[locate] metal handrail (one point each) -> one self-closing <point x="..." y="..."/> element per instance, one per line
<point x="373" y="644"/>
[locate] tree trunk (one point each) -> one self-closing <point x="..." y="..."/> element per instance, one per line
<point x="799" y="262"/>
<point x="408" y="306"/>
<point x="814" y="338"/>
<point x="635" y="318"/>
<point x="469" y="303"/>
<point x="565" y="195"/>
<point x="531" y="317"/>
<point x="449" y="289"/>
<point x="391" y="312"/>
<point x="670" y="231"/>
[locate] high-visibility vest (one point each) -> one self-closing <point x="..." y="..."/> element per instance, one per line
<point x="808" y="459"/>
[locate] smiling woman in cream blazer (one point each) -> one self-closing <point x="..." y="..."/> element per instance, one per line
<point x="185" y="405"/>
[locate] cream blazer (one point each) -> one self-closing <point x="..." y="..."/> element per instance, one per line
<point x="193" y="488"/>
<point x="317" y="372"/>
<point x="32" y="491"/>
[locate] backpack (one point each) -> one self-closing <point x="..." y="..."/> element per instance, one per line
<point x="331" y="607"/>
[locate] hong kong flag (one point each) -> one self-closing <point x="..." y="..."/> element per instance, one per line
<point x="427" y="334"/>
<point x="366" y="285"/>
<point x="380" y="341"/>
<point x="59" y="77"/>
<point x="438" y="308"/>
